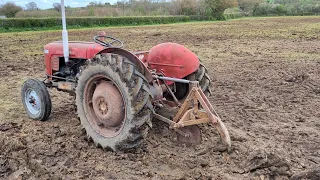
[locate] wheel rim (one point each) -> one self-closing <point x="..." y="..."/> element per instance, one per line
<point x="32" y="101"/>
<point x="104" y="106"/>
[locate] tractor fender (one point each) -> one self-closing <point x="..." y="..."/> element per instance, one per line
<point x="133" y="58"/>
<point x="172" y="60"/>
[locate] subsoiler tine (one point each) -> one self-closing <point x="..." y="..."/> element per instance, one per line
<point x="206" y="106"/>
<point x="184" y="107"/>
<point x="216" y="121"/>
<point x="206" y="100"/>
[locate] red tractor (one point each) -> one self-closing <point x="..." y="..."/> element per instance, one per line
<point x="118" y="92"/>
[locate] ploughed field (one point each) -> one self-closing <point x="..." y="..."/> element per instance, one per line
<point x="266" y="89"/>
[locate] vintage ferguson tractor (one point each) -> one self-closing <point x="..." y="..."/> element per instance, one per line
<point x="118" y="92"/>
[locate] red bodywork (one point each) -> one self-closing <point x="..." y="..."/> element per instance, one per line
<point x="87" y="50"/>
<point x="170" y="59"/>
<point x="79" y="50"/>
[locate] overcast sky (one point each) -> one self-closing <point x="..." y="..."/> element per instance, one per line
<point x="45" y="4"/>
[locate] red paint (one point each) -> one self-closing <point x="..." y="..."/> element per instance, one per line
<point x="88" y="50"/>
<point x="173" y="60"/>
<point x="81" y="50"/>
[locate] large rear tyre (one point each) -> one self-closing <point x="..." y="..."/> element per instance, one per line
<point x="201" y="75"/>
<point x="36" y="99"/>
<point x="113" y="102"/>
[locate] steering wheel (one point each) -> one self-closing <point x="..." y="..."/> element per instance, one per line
<point x="108" y="44"/>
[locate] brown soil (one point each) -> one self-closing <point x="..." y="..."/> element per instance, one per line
<point x="266" y="75"/>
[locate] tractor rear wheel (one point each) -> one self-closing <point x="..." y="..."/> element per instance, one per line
<point x="201" y="75"/>
<point x="113" y="102"/>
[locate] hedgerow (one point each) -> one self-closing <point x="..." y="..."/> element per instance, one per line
<point x="45" y="23"/>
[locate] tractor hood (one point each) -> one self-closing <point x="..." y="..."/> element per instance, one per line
<point x="87" y="50"/>
<point x="77" y="49"/>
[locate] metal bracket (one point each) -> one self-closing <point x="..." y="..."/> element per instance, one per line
<point x="197" y="109"/>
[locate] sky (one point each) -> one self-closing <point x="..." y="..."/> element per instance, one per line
<point x="46" y="4"/>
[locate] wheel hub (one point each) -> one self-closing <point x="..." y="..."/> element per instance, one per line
<point x="106" y="108"/>
<point x="102" y="106"/>
<point x="32" y="101"/>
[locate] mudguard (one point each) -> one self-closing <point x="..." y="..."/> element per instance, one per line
<point x="133" y="58"/>
<point x="173" y="60"/>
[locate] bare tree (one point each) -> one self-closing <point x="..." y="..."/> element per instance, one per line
<point x="9" y="9"/>
<point x="32" y="6"/>
<point x="95" y="4"/>
<point x="121" y="4"/>
<point x="57" y="6"/>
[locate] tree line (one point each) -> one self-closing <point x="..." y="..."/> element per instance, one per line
<point x="212" y="8"/>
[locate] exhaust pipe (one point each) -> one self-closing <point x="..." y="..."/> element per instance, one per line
<point x="64" y="34"/>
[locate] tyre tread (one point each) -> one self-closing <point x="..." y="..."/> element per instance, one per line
<point x="140" y="99"/>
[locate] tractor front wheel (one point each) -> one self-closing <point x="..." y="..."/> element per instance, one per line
<point x="36" y="99"/>
<point x="113" y="102"/>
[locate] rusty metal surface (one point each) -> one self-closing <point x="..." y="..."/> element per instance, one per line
<point x="104" y="106"/>
<point x="143" y="56"/>
<point x="193" y="135"/>
<point x="196" y="109"/>
<point x="163" y="119"/>
<point x="108" y="104"/>
<point x="69" y="86"/>
<point x="156" y="91"/>
<point x="55" y="63"/>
